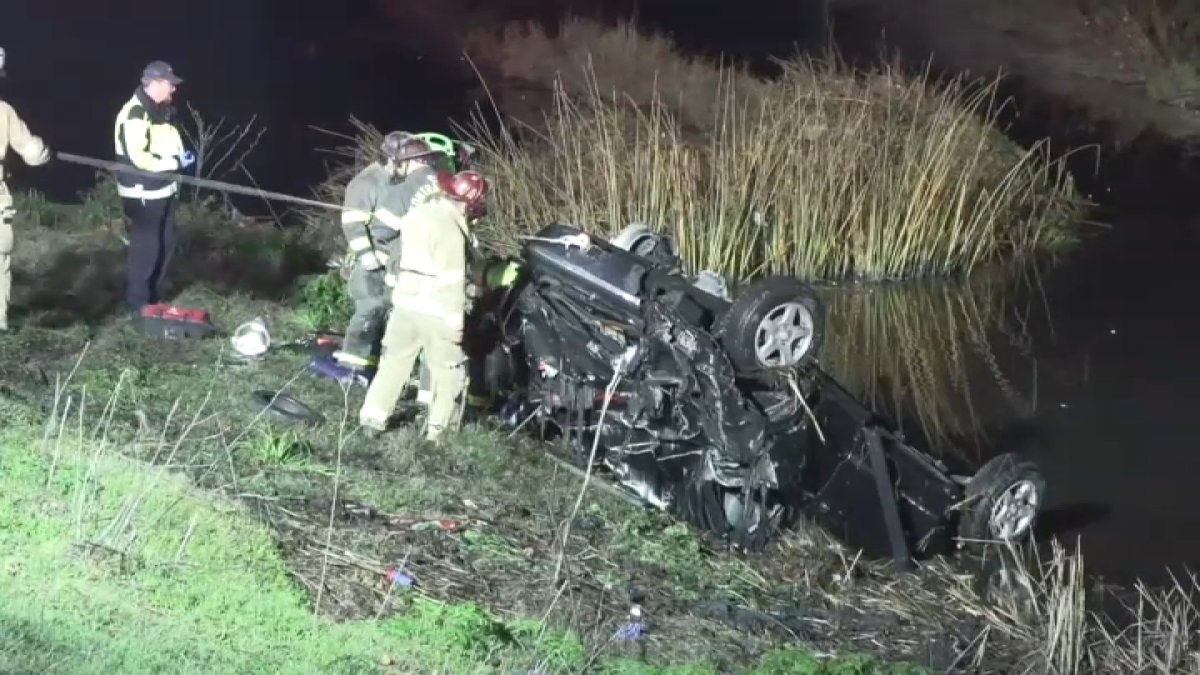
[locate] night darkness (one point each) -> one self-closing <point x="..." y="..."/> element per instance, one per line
<point x="297" y="65"/>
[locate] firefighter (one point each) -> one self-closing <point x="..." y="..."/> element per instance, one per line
<point x="375" y="201"/>
<point x="15" y="136"/>
<point x="482" y="336"/>
<point x="429" y="302"/>
<point x="145" y="137"/>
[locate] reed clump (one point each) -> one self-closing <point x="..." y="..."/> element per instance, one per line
<point x="822" y="172"/>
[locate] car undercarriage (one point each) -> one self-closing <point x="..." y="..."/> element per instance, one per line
<point x="715" y="407"/>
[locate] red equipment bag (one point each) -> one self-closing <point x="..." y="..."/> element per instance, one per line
<point x="176" y="322"/>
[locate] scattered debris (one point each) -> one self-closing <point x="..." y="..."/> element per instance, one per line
<point x="285" y="406"/>
<point x="251" y="339"/>
<point x="170" y="321"/>
<point x="632" y="629"/>
<point x="400" y="578"/>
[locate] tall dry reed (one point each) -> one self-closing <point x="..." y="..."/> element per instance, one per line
<point x="821" y="173"/>
<point x="1052" y="613"/>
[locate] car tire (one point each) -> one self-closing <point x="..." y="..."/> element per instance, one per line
<point x="747" y="324"/>
<point x="731" y="515"/>
<point x="1002" y="501"/>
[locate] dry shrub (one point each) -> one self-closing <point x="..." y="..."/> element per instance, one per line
<point x="823" y="172"/>
<point x="1049" y="610"/>
<point x="1008" y="610"/>
<point x="321" y="227"/>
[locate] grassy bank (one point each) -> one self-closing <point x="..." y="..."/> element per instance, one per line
<point x="101" y="551"/>
<point x="821" y="172"/>
<point x="143" y="493"/>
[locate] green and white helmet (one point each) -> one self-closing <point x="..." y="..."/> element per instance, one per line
<point x="457" y="152"/>
<point x="440" y="142"/>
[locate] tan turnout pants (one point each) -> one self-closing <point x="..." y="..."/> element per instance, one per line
<point x="407" y="333"/>
<point x="6" y="247"/>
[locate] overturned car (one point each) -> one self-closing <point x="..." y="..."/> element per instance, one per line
<point x="715" y="408"/>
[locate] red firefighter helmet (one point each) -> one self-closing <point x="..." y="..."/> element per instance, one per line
<point x="465" y="186"/>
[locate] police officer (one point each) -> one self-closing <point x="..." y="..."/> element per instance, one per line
<point x="429" y="300"/>
<point x="375" y="201"/>
<point x="15" y="136"/>
<point x="146" y="138"/>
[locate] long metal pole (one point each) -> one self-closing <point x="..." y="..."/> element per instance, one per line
<point x="217" y="185"/>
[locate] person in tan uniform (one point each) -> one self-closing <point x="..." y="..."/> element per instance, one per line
<point x="15" y="136"/>
<point x="376" y="198"/>
<point x="428" y="277"/>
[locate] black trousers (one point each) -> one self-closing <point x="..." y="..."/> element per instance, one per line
<point x="151" y="245"/>
<point x="372" y="300"/>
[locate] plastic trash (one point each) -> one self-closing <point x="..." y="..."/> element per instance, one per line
<point x="633" y="629"/>
<point x="399" y="578"/>
<point x="326" y="366"/>
<point x="252" y="338"/>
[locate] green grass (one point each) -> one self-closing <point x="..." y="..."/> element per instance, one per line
<point x="101" y="551"/>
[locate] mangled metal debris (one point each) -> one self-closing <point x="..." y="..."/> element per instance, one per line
<point x="714" y="407"/>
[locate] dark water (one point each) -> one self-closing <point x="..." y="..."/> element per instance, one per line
<point x="1100" y="389"/>
<point x="1089" y="368"/>
<point x="1117" y="421"/>
<point x="1100" y="363"/>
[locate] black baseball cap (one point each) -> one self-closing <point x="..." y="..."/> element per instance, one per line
<point x="160" y="70"/>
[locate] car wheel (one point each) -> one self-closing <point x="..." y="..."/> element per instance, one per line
<point x="740" y="519"/>
<point x="1002" y="501"/>
<point x="775" y="323"/>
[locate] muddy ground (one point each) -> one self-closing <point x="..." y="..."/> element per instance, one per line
<point x="479" y="521"/>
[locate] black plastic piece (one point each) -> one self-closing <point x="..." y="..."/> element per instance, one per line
<point x="285" y="405"/>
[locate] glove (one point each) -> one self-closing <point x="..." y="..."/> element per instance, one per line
<point x="186" y="159"/>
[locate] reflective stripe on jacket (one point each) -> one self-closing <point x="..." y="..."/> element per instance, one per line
<point x="397" y="200"/>
<point x="429" y="272"/>
<point x="374" y="205"/>
<point x="144" y="137"/>
<point x="362" y="193"/>
<point x="15" y="136"/>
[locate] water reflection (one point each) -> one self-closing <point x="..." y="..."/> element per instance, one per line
<point x="942" y="358"/>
